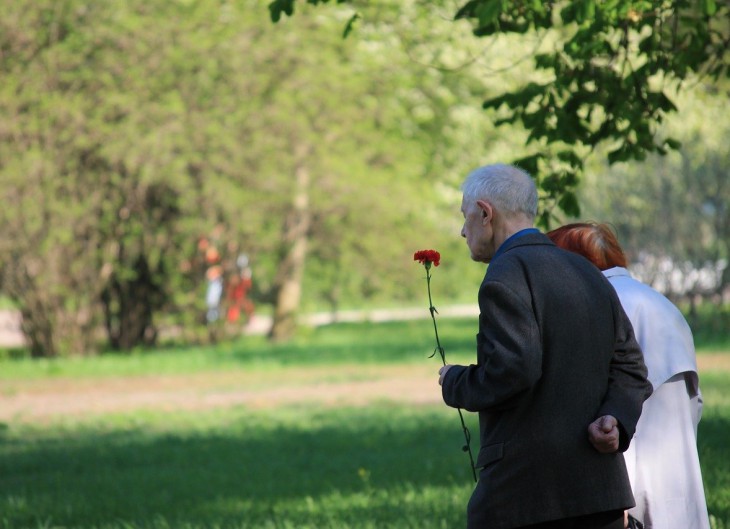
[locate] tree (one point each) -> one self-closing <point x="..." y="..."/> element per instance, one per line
<point x="364" y="147"/>
<point x="132" y="131"/>
<point x="91" y="220"/>
<point x="600" y="78"/>
<point x="688" y="190"/>
<point x="348" y="160"/>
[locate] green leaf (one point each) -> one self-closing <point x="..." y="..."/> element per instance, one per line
<point x="709" y="7"/>
<point x="569" y="204"/>
<point x="545" y="60"/>
<point x="571" y="158"/>
<point x="495" y="102"/>
<point x="530" y="163"/>
<point x="488" y="12"/>
<point x="673" y="144"/>
<point x="666" y="104"/>
<point x="467" y="10"/>
<point x="350" y="24"/>
<point x="277" y="7"/>
<point x="586" y="11"/>
<point x="543" y="220"/>
<point x="621" y="154"/>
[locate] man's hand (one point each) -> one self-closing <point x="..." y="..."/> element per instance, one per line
<point x="442" y="373"/>
<point x="603" y="434"/>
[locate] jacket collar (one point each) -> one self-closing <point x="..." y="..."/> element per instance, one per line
<point x="523" y="237"/>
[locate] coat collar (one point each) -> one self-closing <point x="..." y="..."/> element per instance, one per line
<point x="529" y="236"/>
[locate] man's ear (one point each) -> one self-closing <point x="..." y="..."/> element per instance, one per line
<point x="487" y="210"/>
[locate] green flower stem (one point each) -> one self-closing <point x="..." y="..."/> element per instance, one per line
<point x="432" y="309"/>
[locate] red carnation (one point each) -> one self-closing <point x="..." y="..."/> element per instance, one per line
<point x="426" y="257"/>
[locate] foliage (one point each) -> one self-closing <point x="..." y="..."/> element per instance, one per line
<point x="129" y="132"/>
<point x="133" y="131"/>
<point x="601" y="76"/>
<point x="99" y="200"/>
<point x="688" y="190"/>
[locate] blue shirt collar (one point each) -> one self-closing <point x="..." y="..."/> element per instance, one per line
<point x="512" y="237"/>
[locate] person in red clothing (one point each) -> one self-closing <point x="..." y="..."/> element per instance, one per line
<point x="237" y="291"/>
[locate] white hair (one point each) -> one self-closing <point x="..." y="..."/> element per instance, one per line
<point x="508" y="188"/>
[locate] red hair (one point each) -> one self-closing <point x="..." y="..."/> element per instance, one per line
<point x="596" y="242"/>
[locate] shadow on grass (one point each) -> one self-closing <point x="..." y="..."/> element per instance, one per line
<point x="243" y="471"/>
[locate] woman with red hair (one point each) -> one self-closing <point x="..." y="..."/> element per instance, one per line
<point x="662" y="459"/>
<point x="595" y="242"/>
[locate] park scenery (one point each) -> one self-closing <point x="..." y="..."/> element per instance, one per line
<point x="215" y="307"/>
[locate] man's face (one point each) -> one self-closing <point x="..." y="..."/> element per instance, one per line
<point x="477" y="231"/>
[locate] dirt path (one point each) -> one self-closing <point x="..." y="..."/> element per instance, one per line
<point x="31" y="401"/>
<point x="51" y="399"/>
<point x="353" y="385"/>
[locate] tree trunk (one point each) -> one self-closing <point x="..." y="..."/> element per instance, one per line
<point x="288" y="281"/>
<point x="36" y="313"/>
<point x="38" y="332"/>
<point x="129" y="307"/>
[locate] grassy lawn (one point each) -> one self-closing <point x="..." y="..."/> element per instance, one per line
<point x="308" y="464"/>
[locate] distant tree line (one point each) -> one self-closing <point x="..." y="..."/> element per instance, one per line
<point x="132" y="130"/>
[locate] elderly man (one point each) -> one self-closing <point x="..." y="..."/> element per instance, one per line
<point x="559" y="380"/>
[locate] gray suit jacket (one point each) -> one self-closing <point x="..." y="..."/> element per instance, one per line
<point x="555" y="351"/>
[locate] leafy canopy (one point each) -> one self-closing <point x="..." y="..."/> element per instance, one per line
<point x="601" y="77"/>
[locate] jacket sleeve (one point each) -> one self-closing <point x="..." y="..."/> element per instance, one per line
<point x="509" y="354"/>
<point x="628" y="386"/>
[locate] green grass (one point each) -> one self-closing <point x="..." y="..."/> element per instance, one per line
<point x="369" y="467"/>
<point x="383" y="466"/>
<point x="710" y="325"/>
<point x="366" y="343"/>
<point x="714" y="445"/>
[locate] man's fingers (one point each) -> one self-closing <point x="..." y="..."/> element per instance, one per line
<point x="608" y="423"/>
<point x="442" y="373"/>
<point x="603" y="434"/>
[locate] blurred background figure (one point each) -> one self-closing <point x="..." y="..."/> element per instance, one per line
<point x="662" y="460"/>
<point x="214" y="290"/>
<point x="237" y="290"/>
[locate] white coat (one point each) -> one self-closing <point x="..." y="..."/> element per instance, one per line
<point x="662" y="461"/>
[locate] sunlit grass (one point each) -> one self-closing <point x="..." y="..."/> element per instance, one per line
<point x="362" y="343"/>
